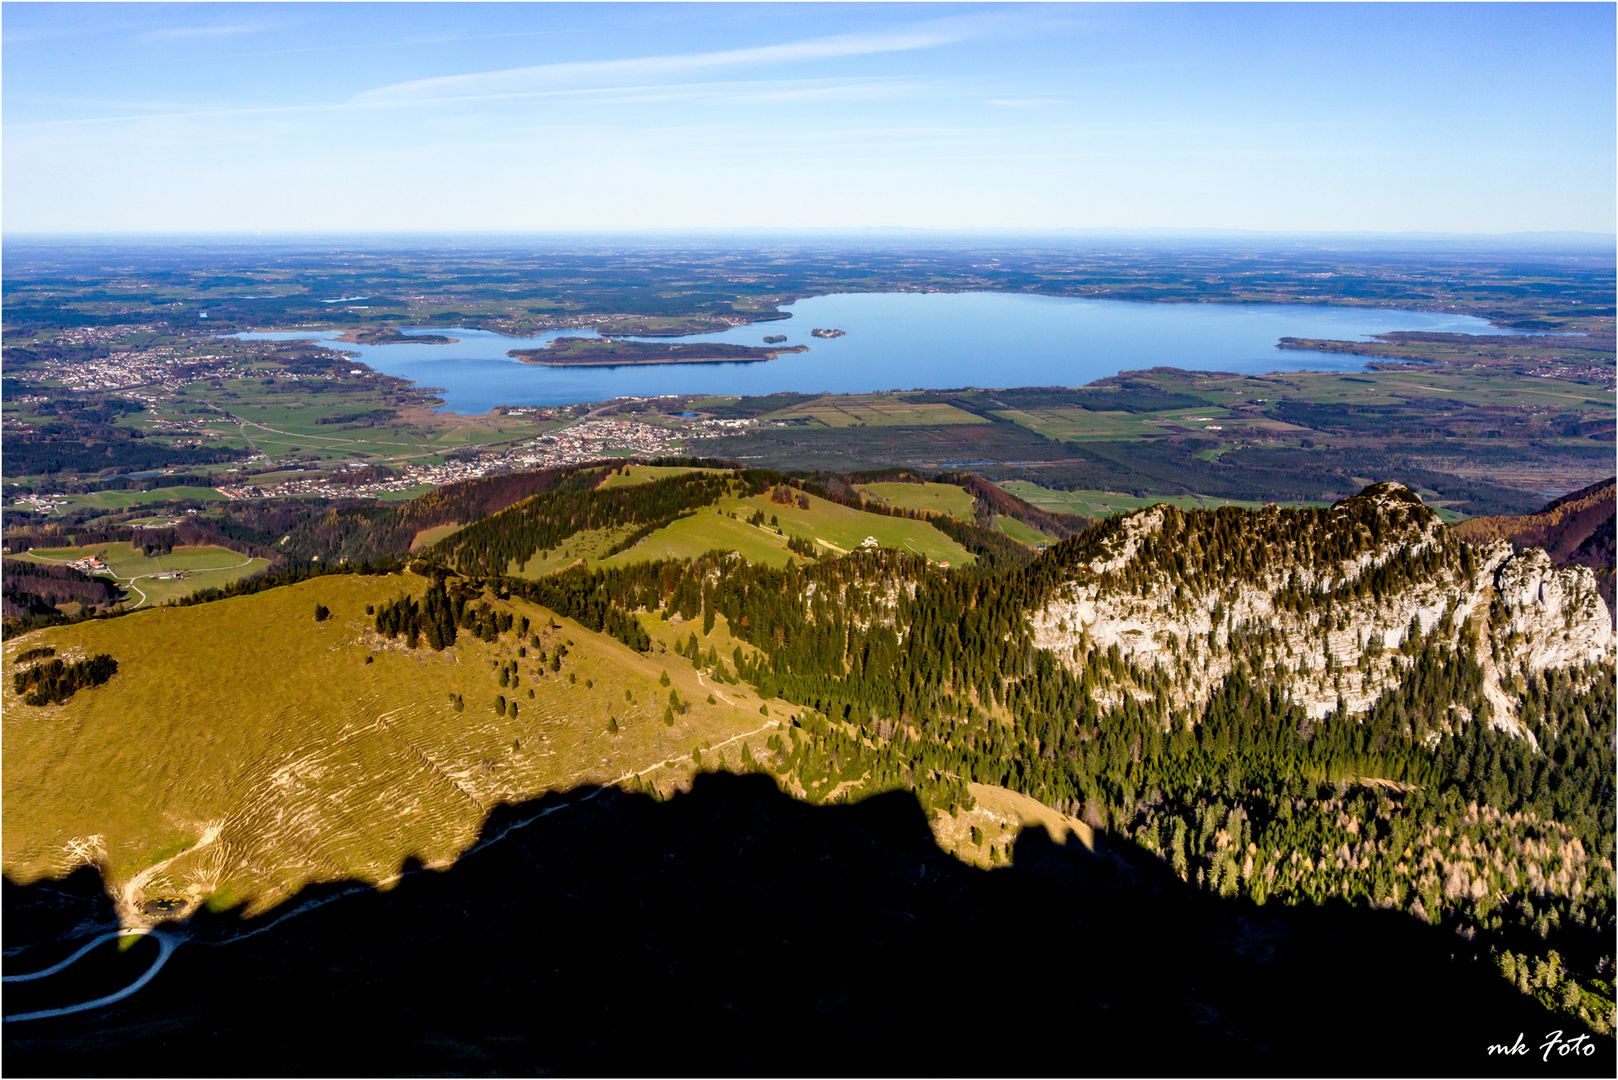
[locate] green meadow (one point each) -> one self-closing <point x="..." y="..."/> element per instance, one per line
<point x="835" y="529"/>
<point x="123" y="500"/>
<point x="874" y="410"/>
<point x="1022" y="532"/>
<point x="630" y="475"/>
<point x="937" y="498"/>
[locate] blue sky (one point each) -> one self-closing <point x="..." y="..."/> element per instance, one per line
<point x="537" y="117"/>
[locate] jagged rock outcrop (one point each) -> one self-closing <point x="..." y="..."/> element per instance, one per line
<point x="1575" y="530"/>
<point x="1330" y="603"/>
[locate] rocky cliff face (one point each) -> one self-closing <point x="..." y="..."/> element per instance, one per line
<point x="1332" y="604"/>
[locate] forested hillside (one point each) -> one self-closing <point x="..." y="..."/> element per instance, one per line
<point x="29" y="588"/>
<point x="1344" y="705"/>
<point x="1285" y="704"/>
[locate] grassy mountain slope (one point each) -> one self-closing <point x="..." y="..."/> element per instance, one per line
<point x="935" y="498"/>
<point x="833" y="529"/>
<point x="643" y="513"/>
<point x="244" y="749"/>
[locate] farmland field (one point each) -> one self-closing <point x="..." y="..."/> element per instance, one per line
<point x="278" y="421"/>
<point x="1072" y="424"/>
<point x="1106" y="503"/>
<point x="874" y="410"/>
<point x="1099" y="504"/>
<point x="196" y="568"/>
<point x="120" y="500"/>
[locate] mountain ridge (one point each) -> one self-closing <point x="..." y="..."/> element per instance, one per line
<point x="1346" y="704"/>
<point x="1557" y="611"/>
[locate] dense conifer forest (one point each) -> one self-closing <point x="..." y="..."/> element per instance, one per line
<point x="912" y="677"/>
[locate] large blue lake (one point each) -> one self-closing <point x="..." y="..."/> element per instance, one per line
<point x="912" y="340"/>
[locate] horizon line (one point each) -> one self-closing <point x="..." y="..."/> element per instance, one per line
<point x="1537" y="237"/>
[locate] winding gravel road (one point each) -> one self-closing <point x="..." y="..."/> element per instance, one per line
<point x="166" y="944"/>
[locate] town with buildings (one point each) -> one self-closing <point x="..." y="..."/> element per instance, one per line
<point x="159" y="368"/>
<point x="154" y="375"/>
<point x="588" y="440"/>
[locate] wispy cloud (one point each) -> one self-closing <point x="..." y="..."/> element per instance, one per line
<point x="188" y="33"/>
<point x="547" y="77"/>
<point x="749" y="92"/>
<point x="1024" y="103"/>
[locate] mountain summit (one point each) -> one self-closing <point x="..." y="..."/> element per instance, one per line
<point x="1331" y="603"/>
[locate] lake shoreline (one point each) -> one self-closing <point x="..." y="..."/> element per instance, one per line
<point x="893" y="340"/>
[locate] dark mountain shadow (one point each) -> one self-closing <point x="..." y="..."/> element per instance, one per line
<point x="60" y="908"/>
<point x="735" y="930"/>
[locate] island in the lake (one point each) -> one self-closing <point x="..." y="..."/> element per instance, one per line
<point x="827" y="333"/>
<point x="774" y="339"/>
<point x="388" y="335"/>
<point x="585" y="352"/>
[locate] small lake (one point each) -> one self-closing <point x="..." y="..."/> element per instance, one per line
<point x="904" y="341"/>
